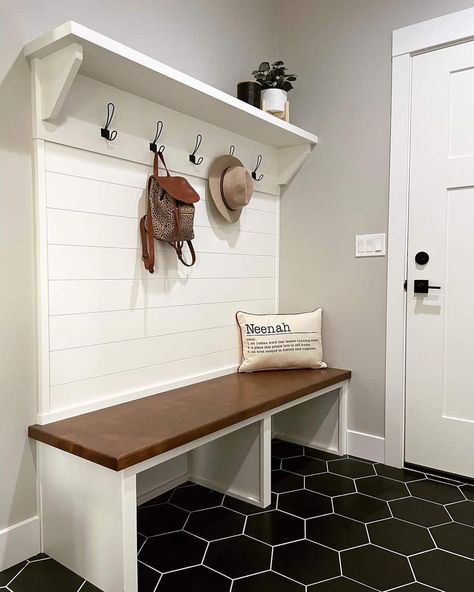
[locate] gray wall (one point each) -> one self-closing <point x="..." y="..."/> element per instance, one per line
<point x="342" y="52"/>
<point x="218" y="42"/>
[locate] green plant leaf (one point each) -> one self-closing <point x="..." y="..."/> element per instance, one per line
<point x="264" y="66"/>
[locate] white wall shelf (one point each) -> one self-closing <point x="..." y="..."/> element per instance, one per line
<point x="120" y="66"/>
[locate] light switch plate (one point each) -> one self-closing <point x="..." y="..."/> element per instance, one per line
<point x="370" y="245"/>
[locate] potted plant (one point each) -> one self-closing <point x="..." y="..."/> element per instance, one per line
<point x="275" y="85"/>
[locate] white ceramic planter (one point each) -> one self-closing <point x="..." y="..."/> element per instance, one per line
<point x="275" y="99"/>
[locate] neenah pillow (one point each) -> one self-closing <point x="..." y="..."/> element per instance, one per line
<point x="279" y="341"/>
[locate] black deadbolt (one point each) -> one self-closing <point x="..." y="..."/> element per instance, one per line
<point x="422" y="258"/>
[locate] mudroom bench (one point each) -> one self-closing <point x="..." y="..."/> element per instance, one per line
<point x="222" y="428"/>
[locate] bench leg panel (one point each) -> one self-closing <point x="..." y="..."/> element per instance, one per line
<point x="232" y="464"/>
<point x="88" y="517"/>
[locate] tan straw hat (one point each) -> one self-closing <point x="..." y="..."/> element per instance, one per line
<point x="230" y="185"/>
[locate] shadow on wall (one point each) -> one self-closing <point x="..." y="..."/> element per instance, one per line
<point x="17" y="310"/>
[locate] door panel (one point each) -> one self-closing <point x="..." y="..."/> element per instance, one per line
<point x="440" y="324"/>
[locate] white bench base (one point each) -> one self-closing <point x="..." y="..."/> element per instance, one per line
<point x="89" y="512"/>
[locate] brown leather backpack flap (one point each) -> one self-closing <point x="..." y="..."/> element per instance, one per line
<point x="179" y="188"/>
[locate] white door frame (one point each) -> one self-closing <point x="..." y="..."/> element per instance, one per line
<point x="406" y="43"/>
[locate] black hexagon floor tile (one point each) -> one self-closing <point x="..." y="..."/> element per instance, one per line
<point x="168" y="552"/>
<point x="444" y="571"/>
<point x="381" y="487"/>
<point x="306" y="562"/>
<point x="197" y="579"/>
<point x="215" y="523"/>
<point x="238" y="556"/>
<point x="375" y="567"/>
<point x="245" y="508"/>
<point x="276" y="463"/>
<point x="160" y="499"/>
<point x="268" y="581"/>
<point x="361" y="507"/>
<point x="304" y="503"/>
<point x="284" y="481"/>
<point x="340" y="584"/>
<point x="402" y="537"/>
<point x="419" y="511"/>
<point x="88" y="587"/>
<point x="53" y="576"/>
<point x="195" y="497"/>
<point x="462" y="512"/>
<point x="455" y="537"/>
<point x="330" y="484"/>
<point x="140" y="540"/>
<point x="321" y="454"/>
<point x="468" y="491"/>
<point x="282" y="449"/>
<point x="336" y="532"/>
<point x="416" y="587"/>
<point x="147" y="578"/>
<point x="275" y="527"/>
<point x="436" y="491"/>
<point x="8" y="574"/>
<point x="304" y="465"/>
<point x="160" y="519"/>
<point x="349" y="467"/>
<point x="404" y="475"/>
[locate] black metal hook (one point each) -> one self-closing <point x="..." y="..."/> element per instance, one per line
<point x="104" y="131"/>
<point x="254" y="172"/>
<point x="231" y="150"/>
<point x="161" y="149"/>
<point x="159" y="129"/>
<point x="192" y="156"/>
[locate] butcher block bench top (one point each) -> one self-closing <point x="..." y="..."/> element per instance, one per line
<point x="123" y="435"/>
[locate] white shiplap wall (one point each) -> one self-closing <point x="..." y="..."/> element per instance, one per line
<point x="113" y="331"/>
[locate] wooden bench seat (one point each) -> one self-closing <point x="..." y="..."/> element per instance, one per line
<point x="123" y="435"/>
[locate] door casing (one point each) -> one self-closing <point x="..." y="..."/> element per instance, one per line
<point x="431" y="35"/>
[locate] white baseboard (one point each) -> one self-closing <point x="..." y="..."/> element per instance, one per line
<point x="219" y="489"/>
<point x="317" y="445"/>
<point x="366" y="446"/>
<point x="146" y="496"/>
<point x="20" y="541"/>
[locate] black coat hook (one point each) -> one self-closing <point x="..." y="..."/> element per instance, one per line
<point x="231" y="150"/>
<point x="192" y="156"/>
<point x="104" y="131"/>
<point x="161" y="149"/>
<point x="159" y="129"/>
<point x="254" y="172"/>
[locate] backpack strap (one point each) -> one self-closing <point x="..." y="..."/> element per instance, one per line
<point x="178" y="247"/>
<point x="148" y="240"/>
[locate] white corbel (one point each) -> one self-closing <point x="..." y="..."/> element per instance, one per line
<point x="55" y="74"/>
<point x="290" y="160"/>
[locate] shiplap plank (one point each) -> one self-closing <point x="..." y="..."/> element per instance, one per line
<point x="151" y="379"/>
<point x="99" y="197"/>
<point x="71" y="296"/>
<point x="90" y="165"/>
<point x="80" y="363"/>
<point x="98" y="230"/>
<point x="67" y="262"/>
<point x="68" y="331"/>
<point x="104" y="197"/>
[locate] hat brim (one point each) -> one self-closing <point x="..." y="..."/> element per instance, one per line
<point x="215" y="172"/>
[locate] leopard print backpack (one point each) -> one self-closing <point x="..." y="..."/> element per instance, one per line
<point x="170" y="215"/>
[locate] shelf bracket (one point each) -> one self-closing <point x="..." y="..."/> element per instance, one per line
<point x="290" y="160"/>
<point x="55" y="74"/>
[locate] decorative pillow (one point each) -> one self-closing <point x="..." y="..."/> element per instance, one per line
<point x="278" y="341"/>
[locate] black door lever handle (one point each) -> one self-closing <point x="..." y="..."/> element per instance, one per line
<point x="422" y="287"/>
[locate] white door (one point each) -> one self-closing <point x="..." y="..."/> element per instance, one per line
<point x="440" y="324"/>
